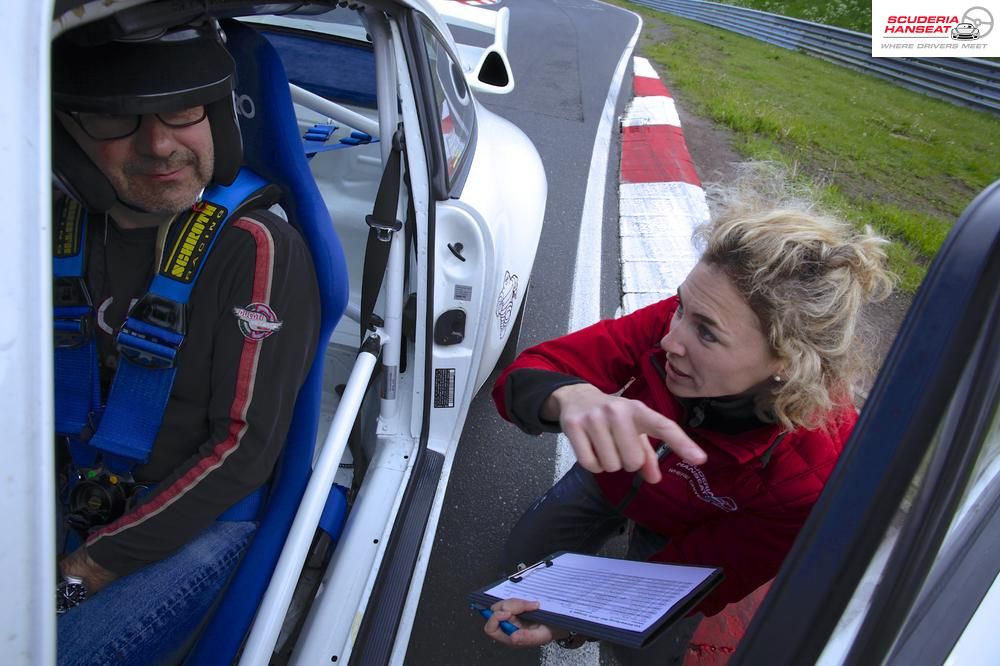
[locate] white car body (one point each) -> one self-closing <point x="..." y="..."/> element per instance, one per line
<point x="486" y="230"/>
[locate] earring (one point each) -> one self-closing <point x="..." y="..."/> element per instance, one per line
<point x="777" y="379"/>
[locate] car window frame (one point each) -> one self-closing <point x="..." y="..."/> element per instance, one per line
<point x="443" y="187"/>
<point x="955" y="310"/>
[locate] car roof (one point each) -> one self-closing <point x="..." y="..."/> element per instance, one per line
<point x="63" y="6"/>
<point x="97" y="9"/>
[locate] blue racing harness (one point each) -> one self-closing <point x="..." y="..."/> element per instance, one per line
<point x="119" y="434"/>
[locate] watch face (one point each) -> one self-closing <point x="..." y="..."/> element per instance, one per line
<point x="70" y="592"/>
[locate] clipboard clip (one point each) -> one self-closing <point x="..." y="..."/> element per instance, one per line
<point x="527" y="571"/>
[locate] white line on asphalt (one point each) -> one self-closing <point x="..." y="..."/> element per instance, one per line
<point x="585" y="302"/>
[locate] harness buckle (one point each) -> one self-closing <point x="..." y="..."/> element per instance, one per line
<point x="383" y="229"/>
<point x="153" y="332"/>
<point x="73" y="316"/>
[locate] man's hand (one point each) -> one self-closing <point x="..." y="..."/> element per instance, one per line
<point x="527" y="635"/>
<point x="79" y="564"/>
<point x="610" y="433"/>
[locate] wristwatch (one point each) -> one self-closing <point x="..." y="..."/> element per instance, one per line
<point x="571" y="642"/>
<point x="70" y="592"/>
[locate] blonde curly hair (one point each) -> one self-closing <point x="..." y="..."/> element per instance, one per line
<point x="806" y="275"/>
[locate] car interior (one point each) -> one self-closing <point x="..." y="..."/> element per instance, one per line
<point x="313" y="129"/>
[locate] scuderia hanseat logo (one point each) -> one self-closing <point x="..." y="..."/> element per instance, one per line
<point x="932" y="28"/>
<point x="257" y="321"/>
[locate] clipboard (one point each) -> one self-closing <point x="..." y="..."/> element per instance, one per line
<point x="665" y="593"/>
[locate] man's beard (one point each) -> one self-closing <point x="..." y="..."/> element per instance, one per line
<point x="170" y="197"/>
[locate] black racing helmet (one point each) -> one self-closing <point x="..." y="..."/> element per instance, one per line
<point x="165" y="71"/>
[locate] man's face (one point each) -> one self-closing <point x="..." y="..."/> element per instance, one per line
<point x="158" y="169"/>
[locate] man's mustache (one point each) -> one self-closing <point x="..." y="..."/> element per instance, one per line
<point x="145" y="166"/>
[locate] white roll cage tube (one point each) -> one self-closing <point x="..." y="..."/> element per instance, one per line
<point x="388" y="118"/>
<point x="333" y="110"/>
<point x="274" y="606"/>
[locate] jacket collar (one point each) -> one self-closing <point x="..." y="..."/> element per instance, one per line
<point x="728" y="424"/>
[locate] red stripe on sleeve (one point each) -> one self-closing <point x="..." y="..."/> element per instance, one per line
<point x="242" y="397"/>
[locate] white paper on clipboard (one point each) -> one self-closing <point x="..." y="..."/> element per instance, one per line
<point x="617" y="593"/>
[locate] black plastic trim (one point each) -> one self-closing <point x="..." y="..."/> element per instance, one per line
<point x="377" y="635"/>
<point x="905" y="408"/>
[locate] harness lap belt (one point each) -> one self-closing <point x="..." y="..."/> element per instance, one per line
<point x="147" y="343"/>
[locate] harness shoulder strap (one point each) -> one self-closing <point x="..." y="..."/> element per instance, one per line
<point x="77" y="382"/>
<point x="382" y="224"/>
<point x="154" y="331"/>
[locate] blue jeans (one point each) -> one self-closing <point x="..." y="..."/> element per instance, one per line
<point x="148" y="615"/>
<point x="574" y="515"/>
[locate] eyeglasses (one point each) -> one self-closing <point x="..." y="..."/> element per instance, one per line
<point x="110" y="126"/>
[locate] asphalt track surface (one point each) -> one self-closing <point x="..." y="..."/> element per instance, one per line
<point x="563" y="54"/>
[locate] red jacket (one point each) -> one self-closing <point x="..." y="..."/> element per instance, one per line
<point x="743" y="508"/>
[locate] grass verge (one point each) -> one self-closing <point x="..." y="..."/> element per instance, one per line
<point x="851" y="14"/>
<point x="905" y="163"/>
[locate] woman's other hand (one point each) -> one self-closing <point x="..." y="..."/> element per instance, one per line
<point x="527" y="635"/>
<point x="610" y="433"/>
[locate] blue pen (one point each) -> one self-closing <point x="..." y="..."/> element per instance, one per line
<point x="507" y="627"/>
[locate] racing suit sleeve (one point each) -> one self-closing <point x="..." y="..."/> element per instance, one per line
<point x="250" y="379"/>
<point x="526" y="390"/>
<point x="605" y="354"/>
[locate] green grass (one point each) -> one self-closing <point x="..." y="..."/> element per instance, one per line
<point x="851" y="14"/>
<point x="905" y="163"/>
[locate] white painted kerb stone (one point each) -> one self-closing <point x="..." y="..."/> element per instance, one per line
<point x="651" y="111"/>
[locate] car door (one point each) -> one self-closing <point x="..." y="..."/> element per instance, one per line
<point x="464" y="263"/>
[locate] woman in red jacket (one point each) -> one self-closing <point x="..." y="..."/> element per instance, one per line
<point x="712" y="419"/>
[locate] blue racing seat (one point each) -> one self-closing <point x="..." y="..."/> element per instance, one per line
<point x="273" y="148"/>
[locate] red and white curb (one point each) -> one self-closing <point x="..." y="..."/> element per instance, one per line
<point x="661" y="201"/>
<point x="660" y="197"/>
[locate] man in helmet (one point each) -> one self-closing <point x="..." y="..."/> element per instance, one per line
<point x="143" y="125"/>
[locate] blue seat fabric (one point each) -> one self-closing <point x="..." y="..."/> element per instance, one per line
<point x="273" y="148"/>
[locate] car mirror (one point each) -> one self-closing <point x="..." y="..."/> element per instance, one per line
<point x="487" y="70"/>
